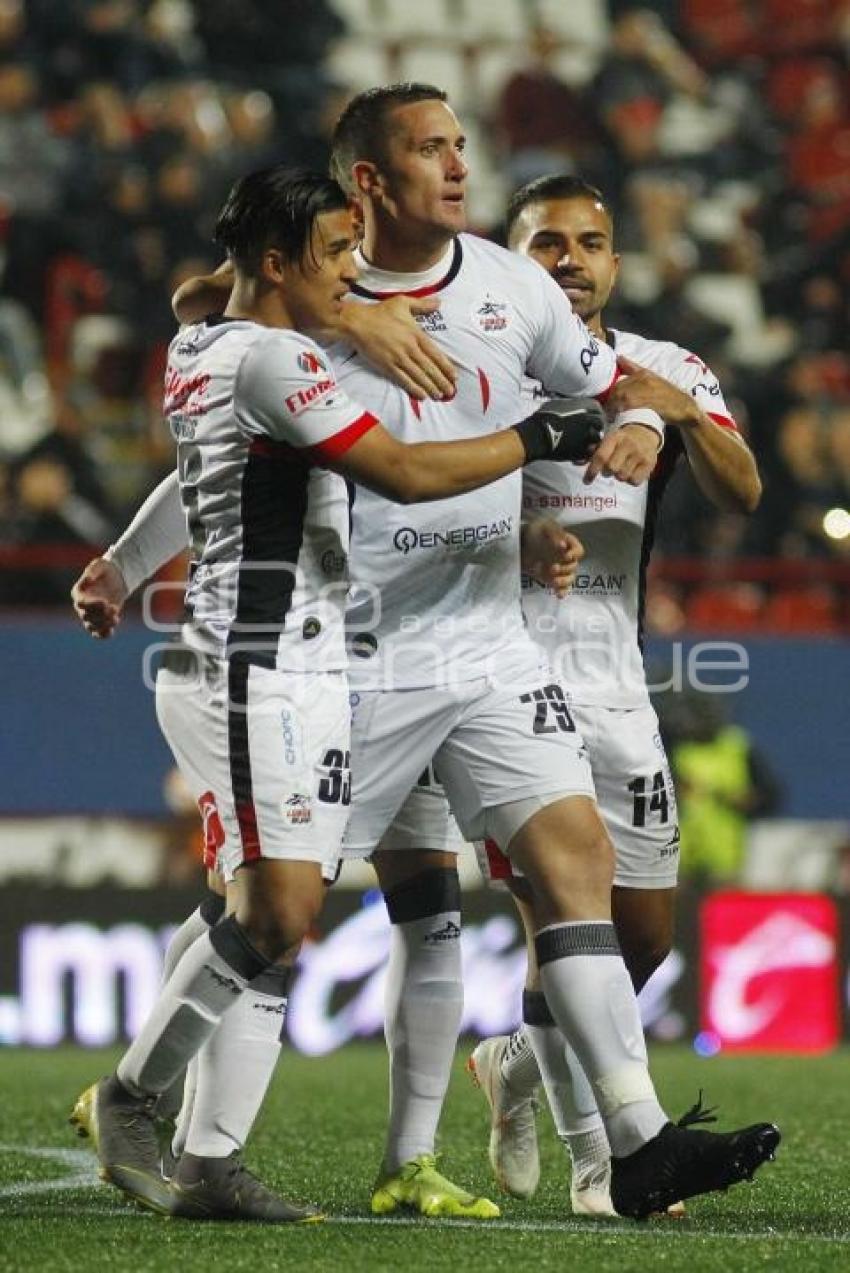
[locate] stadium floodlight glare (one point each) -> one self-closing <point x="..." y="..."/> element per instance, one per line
<point x="836" y="523"/>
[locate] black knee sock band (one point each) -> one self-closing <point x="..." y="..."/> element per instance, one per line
<point x="229" y="940"/>
<point x="211" y="909"/>
<point x="275" y="981"/>
<point x="535" y="1009"/>
<point x="576" y="939"/>
<point x="431" y="892"/>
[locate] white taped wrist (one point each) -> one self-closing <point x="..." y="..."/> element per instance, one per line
<point x="641" y="415"/>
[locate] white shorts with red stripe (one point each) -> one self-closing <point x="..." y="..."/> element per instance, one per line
<point x="266" y="755"/>
<point x="634" y="790"/>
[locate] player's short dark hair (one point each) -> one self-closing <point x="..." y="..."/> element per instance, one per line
<point x="556" y="186"/>
<point x="361" y="131"/>
<point x="274" y="207"/>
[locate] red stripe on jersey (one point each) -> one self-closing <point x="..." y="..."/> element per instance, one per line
<point x="416" y="294"/>
<point x="271" y="449"/>
<point x="498" y="863"/>
<point x="246" y="816"/>
<point x="485" y="390"/>
<point x="333" y="448"/>
<point x="725" y="421"/>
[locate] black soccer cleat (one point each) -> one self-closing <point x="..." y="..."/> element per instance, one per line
<point x="680" y="1163"/>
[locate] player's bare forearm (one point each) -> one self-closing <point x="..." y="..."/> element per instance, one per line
<point x="414" y="474"/>
<point x="203" y="294"/>
<point x="723" y="465"/>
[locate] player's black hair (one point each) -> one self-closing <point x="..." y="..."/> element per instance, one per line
<point x="361" y="131"/>
<point x="556" y="186"/>
<point x="274" y="207"/>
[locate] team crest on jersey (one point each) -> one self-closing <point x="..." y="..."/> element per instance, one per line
<point x="433" y="322"/>
<point x="492" y="315"/>
<point x="311" y="363"/>
<point x="298" y="810"/>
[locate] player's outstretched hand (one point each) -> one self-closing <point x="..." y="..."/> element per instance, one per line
<point x="550" y="554"/>
<point x="563" y="429"/>
<point x="629" y="454"/>
<point x="98" y="596"/>
<point x="389" y="336"/>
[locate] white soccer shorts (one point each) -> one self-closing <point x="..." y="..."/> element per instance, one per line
<point x="634" y="789"/>
<point x="490" y="744"/>
<point x="266" y="755"/>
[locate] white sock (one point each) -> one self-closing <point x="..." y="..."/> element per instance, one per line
<point x="591" y="997"/>
<point x="199" y="922"/>
<point x="569" y="1094"/>
<point x="207" y="981"/>
<point x="235" y="1067"/>
<point x="424" y="1003"/>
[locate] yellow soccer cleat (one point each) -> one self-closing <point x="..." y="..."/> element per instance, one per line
<point x="418" y="1186"/>
<point x="83" y="1117"/>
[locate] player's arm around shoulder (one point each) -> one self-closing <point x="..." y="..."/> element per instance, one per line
<point x="388" y="336"/>
<point x="203" y="294"/>
<point x="722" y="463"/>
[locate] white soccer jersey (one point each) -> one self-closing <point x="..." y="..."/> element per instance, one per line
<point x="254" y="411"/>
<point x="436" y="586"/>
<point x="593" y="636"/>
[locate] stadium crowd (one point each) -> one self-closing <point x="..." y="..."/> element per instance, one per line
<point x="719" y="130"/>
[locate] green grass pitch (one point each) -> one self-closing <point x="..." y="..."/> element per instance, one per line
<point x="319" y="1138"/>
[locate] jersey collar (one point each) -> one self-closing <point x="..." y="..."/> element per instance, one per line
<point x="445" y="276"/>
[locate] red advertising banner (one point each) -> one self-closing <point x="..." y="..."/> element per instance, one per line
<point x="769" y="973"/>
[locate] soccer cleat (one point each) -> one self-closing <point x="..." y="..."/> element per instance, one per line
<point x="418" y="1186"/>
<point x="680" y="1163"/>
<point x="123" y="1132"/>
<point x="512" y="1150"/>
<point x="224" y="1189"/>
<point x="590" y="1194"/>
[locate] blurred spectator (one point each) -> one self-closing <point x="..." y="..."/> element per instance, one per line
<point x="801" y="485"/>
<point x="722" y="783"/>
<point x="645" y="66"/>
<point x="546" y="125"/>
<point x="52" y="496"/>
<point x="719" y="128"/>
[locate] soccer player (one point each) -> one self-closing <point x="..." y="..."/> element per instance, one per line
<point x="448" y="674"/>
<point x="594" y="640"/>
<point x="447" y="669"/>
<point x="254" y="704"/>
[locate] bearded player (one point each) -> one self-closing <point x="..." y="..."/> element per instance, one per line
<point x="593" y="638"/>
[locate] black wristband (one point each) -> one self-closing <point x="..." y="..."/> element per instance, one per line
<point x="534" y="438"/>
